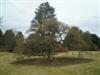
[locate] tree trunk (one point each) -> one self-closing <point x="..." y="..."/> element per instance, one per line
<point x="50" y="55"/>
<point x="79" y="54"/>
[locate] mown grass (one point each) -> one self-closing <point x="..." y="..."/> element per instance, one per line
<point x="80" y="67"/>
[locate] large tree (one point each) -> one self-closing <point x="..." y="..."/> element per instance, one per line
<point x="47" y="27"/>
<point x="47" y="36"/>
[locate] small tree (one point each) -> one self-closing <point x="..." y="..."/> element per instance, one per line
<point x="19" y="46"/>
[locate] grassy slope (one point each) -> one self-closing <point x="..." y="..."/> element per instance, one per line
<point x="91" y="68"/>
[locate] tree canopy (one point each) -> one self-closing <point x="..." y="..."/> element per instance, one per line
<point x="46" y="26"/>
<point x="1" y="38"/>
<point x="9" y="40"/>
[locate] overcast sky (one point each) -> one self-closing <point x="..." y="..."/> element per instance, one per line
<point x="85" y="14"/>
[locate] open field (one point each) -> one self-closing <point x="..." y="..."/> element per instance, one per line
<point x="64" y="64"/>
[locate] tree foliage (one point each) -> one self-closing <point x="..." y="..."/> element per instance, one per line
<point x="46" y="37"/>
<point x="96" y="41"/>
<point x="43" y="12"/>
<point x="1" y="38"/>
<point x="20" y="47"/>
<point x="88" y="40"/>
<point x="9" y="40"/>
<point x="73" y="38"/>
<point x="46" y="26"/>
<point x="76" y="39"/>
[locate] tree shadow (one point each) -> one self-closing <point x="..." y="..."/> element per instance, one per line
<point x="56" y="62"/>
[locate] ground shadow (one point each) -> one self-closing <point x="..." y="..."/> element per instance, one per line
<point x="56" y="62"/>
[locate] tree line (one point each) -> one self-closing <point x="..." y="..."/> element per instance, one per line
<point x="74" y="40"/>
<point x="48" y="36"/>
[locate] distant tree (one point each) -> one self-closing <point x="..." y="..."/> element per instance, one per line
<point x="1" y="38"/>
<point x="20" y="47"/>
<point x="74" y="40"/>
<point x="9" y="40"/>
<point x="78" y="40"/>
<point x="19" y="37"/>
<point x="19" y="42"/>
<point x="88" y="40"/>
<point x="1" y="34"/>
<point x="96" y="41"/>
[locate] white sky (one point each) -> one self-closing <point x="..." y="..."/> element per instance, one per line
<point x="85" y="14"/>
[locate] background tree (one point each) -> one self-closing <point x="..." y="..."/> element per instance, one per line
<point x="74" y="40"/>
<point x="1" y="34"/>
<point x="1" y="39"/>
<point x="20" y="47"/>
<point x="96" y="41"/>
<point x="88" y="40"/>
<point x="9" y="40"/>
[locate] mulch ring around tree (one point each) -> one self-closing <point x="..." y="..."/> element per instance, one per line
<point x="55" y="62"/>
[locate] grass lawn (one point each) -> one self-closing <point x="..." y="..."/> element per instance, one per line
<point x="64" y="64"/>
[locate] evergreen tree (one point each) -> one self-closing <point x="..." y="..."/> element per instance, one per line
<point x="9" y="40"/>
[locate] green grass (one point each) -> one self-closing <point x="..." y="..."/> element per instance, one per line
<point x="89" y="68"/>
